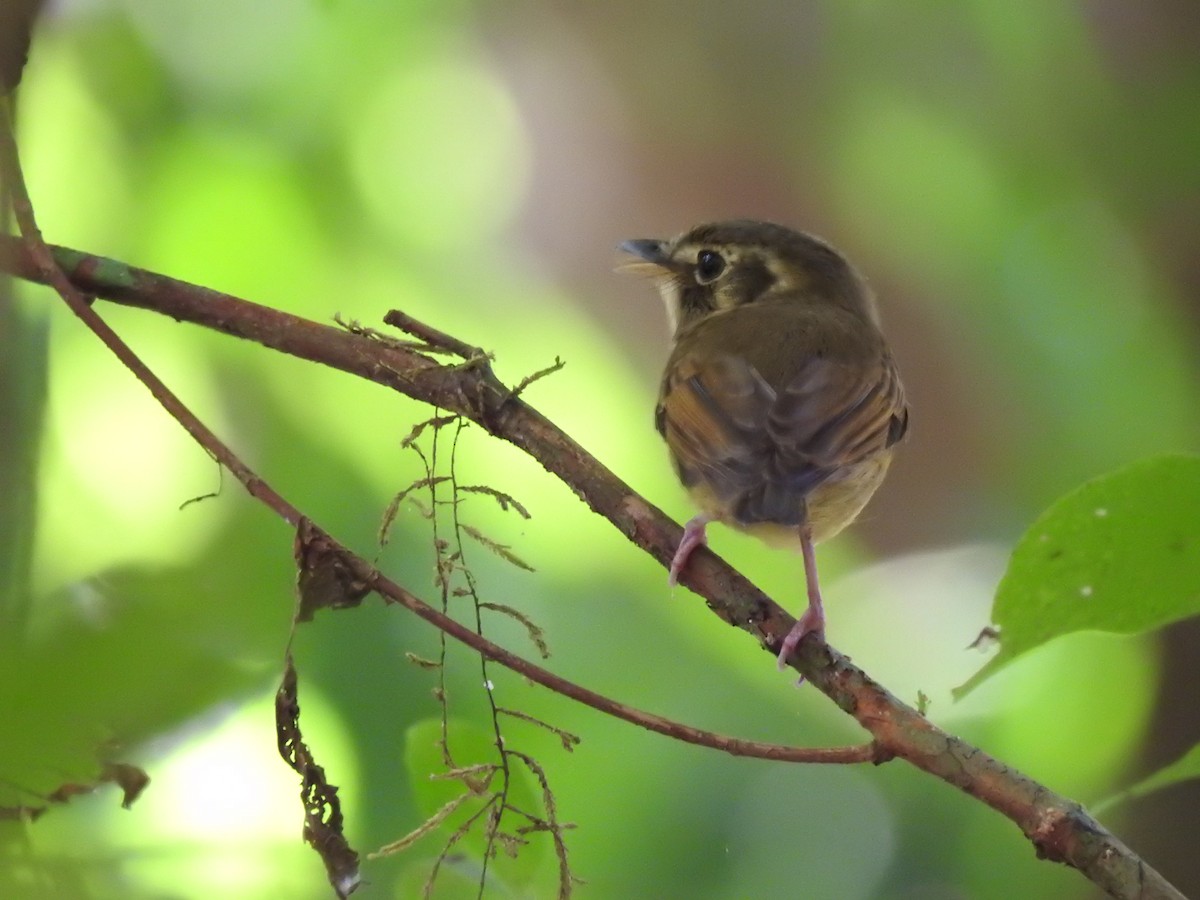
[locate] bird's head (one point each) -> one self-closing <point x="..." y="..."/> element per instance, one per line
<point x="717" y="267"/>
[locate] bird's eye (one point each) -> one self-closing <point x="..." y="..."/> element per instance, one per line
<point x="709" y="266"/>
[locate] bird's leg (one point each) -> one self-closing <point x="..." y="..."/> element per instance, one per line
<point x="693" y="537"/>
<point x="813" y="618"/>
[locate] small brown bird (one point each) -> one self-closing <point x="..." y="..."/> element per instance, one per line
<point x="780" y="403"/>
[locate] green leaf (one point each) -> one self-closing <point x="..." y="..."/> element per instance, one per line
<point x="1120" y="554"/>
<point x="1183" y="769"/>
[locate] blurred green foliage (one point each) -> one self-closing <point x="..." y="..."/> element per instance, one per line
<point x="470" y="746"/>
<point x="1020" y="182"/>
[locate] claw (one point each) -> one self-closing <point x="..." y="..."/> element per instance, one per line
<point x="693" y="537"/>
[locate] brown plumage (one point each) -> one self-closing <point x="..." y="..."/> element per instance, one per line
<point x="780" y="403"/>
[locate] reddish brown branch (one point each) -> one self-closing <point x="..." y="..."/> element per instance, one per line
<point x="395" y="593"/>
<point x="735" y="746"/>
<point x="1059" y="828"/>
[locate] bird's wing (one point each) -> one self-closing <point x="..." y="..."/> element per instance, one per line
<point x="763" y="450"/>
<point x="833" y="414"/>
<point x="713" y="414"/>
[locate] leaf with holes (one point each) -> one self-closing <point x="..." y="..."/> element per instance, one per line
<point x="1119" y="554"/>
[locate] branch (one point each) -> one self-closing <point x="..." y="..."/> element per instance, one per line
<point x="1059" y="828"/>
<point x="48" y="271"/>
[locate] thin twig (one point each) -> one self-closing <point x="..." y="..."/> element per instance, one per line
<point x="432" y="336"/>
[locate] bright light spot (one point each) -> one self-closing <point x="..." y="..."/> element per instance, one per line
<point x="224" y="784"/>
<point x="440" y="154"/>
<point x="128" y="453"/>
<point x="221" y="816"/>
<point x="116" y="466"/>
<point x="254" y="56"/>
<point x="229" y="808"/>
<point x="72" y="152"/>
<point x="955" y="586"/>
<point x="1101" y="512"/>
<point x="489" y="685"/>
<point x="1085" y="591"/>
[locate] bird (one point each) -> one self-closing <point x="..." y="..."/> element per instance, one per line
<point x="780" y="403"/>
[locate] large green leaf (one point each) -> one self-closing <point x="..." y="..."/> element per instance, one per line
<point x="1120" y="554"/>
<point x="132" y="655"/>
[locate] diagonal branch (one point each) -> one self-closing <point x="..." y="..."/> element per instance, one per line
<point x="48" y="271"/>
<point x="1060" y="829"/>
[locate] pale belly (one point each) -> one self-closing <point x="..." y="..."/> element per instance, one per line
<point x="831" y="506"/>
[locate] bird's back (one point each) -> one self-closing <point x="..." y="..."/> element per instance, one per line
<point x="802" y="436"/>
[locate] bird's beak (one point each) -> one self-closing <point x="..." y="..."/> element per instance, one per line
<point x="651" y="256"/>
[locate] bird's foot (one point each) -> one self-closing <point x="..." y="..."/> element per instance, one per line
<point x="811" y="621"/>
<point x="693" y="537"/>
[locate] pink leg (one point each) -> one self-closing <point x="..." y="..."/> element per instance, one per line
<point x="813" y="618"/>
<point x="693" y="537"/>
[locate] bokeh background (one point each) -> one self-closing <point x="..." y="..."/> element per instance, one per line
<point x="1021" y="183"/>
